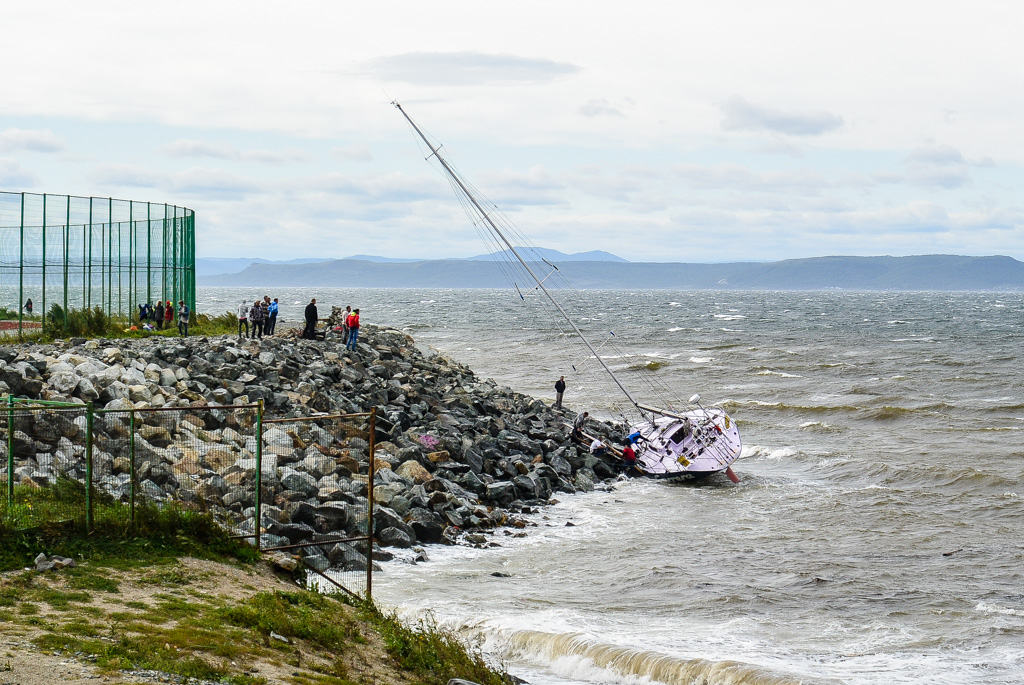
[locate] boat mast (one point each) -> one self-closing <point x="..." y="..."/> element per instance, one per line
<point x="497" y="231"/>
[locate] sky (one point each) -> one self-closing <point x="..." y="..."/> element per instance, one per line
<point x="657" y="131"/>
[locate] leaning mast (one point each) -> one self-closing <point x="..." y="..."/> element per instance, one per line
<point x="434" y="151"/>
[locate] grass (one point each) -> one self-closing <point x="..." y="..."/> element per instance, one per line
<point x="96" y="323"/>
<point x="183" y="630"/>
<point x="434" y="654"/>
<point x="159" y="533"/>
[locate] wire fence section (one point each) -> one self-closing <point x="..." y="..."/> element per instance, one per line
<point x="86" y="252"/>
<point x="321" y="501"/>
<point x="300" y="487"/>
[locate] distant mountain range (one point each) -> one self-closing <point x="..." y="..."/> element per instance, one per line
<point x="209" y="266"/>
<point x="926" y="272"/>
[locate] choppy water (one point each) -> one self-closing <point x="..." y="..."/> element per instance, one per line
<point x="881" y="431"/>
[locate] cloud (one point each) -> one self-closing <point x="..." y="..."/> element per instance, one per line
<point x="186" y="148"/>
<point x="740" y="115"/>
<point x="936" y="166"/>
<point x="353" y="153"/>
<point x="29" y="140"/>
<point x="196" y="181"/>
<point x="467" y="69"/>
<point x="13" y="175"/>
<point x="936" y="155"/>
<point x="736" y="177"/>
<point x="597" y="108"/>
<point x="127" y="175"/>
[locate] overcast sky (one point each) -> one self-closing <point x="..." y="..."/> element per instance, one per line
<point x="658" y="131"/>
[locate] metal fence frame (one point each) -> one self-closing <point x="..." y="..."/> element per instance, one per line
<point x="368" y="538"/>
<point x="101" y="252"/>
<point x="22" y="406"/>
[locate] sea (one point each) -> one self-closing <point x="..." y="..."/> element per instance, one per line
<point x="877" y="531"/>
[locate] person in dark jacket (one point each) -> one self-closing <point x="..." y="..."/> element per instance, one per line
<point x="309" y="332"/>
<point x="559" y="391"/>
<point x="257" y="317"/>
<point x="158" y="315"/>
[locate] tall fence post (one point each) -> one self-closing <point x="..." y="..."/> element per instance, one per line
<point x="131" y="464"/>
<point x="10" y="450"/>
<point x="88" y="466"/>
<point x="371" y="471"/>
<point x="259" y="472"/>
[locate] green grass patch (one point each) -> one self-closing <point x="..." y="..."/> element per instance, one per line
<point x="94" y="322"/>
<point x="433" y="654"/>
<point x="307" y="616"/>
<point x="160" y="534"/>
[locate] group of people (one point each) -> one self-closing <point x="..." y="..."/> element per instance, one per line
<point x="349" y="325"/>
<point x="161" y="316"/>
<point x="598" y="448"/>
<point x="261" y="313"/>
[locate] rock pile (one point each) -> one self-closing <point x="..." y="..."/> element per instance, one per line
<point x="456" y="455"/>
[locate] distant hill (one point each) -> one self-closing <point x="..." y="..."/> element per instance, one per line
<point x="208" y="266"/>
<point x="551" y="255"/>
<point x="927" y="272"/>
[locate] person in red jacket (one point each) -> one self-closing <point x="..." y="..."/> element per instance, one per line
<point x="628" y="457"/>
<point x="353" y="330"/>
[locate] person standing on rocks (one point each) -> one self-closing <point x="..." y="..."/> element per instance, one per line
<point x="272" y="308"/>
<point x="243" y="320"/>
<point x="309" y="332"/>
<point x="256" y="316"/>
<point x="579" y="424"/>
<point x="183" y="317"/>
<point x="158" y="315"/>
<point x="559" y="391"/>
<point x="344" y="325"/>
<point x="353" y="330"/>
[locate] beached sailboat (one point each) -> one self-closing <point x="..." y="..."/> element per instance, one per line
<point x="669" y="443"/>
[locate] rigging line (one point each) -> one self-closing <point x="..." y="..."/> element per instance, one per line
<point x="504" y="239"/>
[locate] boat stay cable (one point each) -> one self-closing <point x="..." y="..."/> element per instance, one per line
<point x="458" y="184"/>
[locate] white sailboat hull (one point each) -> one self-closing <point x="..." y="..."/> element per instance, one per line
<point x="687" y="445"/>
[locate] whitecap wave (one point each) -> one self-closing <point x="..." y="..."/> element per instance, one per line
<point x="987" y="608"/>
<point x="782" y="374"/>
<point x="575" y="656"/>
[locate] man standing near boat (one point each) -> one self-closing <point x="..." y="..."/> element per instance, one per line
<point x="559" y="391"/>
<point x="578" y="424"/>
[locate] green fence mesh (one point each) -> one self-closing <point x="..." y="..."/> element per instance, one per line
<point x="85" y="252"/>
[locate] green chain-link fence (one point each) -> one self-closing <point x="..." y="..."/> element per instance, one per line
<point x="86" y="252"/>
<point x="301" y="486"/>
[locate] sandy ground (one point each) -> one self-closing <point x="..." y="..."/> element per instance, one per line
<point x="21" y="663"/>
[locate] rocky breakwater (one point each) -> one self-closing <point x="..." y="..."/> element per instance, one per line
<point x="456" y="455"/>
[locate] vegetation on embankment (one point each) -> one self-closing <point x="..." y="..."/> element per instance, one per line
<point x="179" y="597"/>
<point x="96" y="323"/>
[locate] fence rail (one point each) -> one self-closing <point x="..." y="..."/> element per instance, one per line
<point x="285" y="484"/>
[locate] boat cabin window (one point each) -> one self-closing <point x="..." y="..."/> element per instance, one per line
<point x="681" y="434"/>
